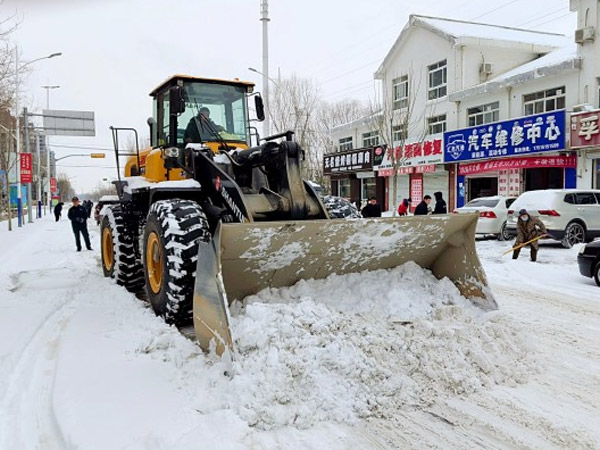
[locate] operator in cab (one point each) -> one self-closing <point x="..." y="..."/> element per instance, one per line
<point x="201" y="128"/>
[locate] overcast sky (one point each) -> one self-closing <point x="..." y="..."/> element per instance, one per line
<point x="116" y="51"/>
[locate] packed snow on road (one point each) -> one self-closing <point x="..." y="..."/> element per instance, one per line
<point x="388" y="359"/>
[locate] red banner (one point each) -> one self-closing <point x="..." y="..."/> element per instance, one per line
<point x="53" y="185"/>
<point x="517" y="163"/>
<point x="428" y="168"/>
<point x="585" y="130"/>
<point x="26" y="168"/>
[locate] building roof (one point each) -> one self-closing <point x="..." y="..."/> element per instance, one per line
<point x="557" y="61"/>
<point x="460" y="32"/>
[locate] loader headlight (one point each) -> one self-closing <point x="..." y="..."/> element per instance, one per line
<point x="172" y="152"/>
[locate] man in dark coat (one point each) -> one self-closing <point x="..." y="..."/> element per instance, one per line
<point x="58" y="210"/>
<point x="78" y="217"/>
<point x="201" y="128"/>
<point x="440" y="204"/>
<point x="422" y="208"/>
<point x="88" y="207"/>
<point x="372" y="209"/>
<point x="528" y="228"/>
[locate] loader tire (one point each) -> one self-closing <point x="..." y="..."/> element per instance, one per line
<point x="120" y="253"/>
<point x="340" y="208"/>
<point x="172" y="233"/>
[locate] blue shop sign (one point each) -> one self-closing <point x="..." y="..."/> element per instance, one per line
<point x="515" y="137"/>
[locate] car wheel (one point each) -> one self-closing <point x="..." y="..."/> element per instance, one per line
<point x="574" y="234"/>
<point x="597" y="273"/>
<point x="504" y="234"/>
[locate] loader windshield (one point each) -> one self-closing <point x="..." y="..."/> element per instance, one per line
<point x="213" y="112"/>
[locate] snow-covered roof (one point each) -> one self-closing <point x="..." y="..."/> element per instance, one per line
<point x="460" y="32"/>
<point x="560" y="60"/>
<point x="361" y="121"/>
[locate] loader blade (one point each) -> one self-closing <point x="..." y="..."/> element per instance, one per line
<point x="254" y="256"/>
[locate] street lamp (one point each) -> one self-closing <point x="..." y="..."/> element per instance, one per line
<point x="252" y="69"/>
<point x="18" y="68"/>
<point x="47" y="138"/>
<point x="267" y="103"/>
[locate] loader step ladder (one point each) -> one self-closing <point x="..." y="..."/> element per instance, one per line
<point x="119" y="153"/>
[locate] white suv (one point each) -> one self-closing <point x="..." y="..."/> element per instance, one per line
<point x="570" y="215"/>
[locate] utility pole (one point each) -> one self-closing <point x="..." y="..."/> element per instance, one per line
<point x="264" y="18"/>
<point x="18" y="139"/>
<point x="39" y="175"/>
<point x="49" y="199"/>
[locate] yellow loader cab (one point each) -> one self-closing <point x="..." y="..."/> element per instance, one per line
<point x="210" y="111"/>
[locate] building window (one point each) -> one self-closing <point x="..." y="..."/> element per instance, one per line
<point x="398" y="134"/>
<point x="370" y="139"/>
<point x="345" y="144"/>
<point x="368" y="188"/>
<point x="544" y="101"/>
<point x="344" y="188"/>
<point x="400" y="92"/>
<point x="438" y="79"/>
<point x="436" y="124"/>
<point x="481" y="115"/>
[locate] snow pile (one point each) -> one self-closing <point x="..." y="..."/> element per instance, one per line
<point x="350" y="347"/>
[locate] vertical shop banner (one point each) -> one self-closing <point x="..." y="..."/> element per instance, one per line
<point x="585" y="129"/>
<point x="416" y="189"/>
<point x="516" y="137"/>
<point x="53" y="185"/>
<point x="26" y="168"/>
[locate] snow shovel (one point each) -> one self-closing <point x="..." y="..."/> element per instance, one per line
<point x="244" y="258"/>
<point x="524" y="244"/>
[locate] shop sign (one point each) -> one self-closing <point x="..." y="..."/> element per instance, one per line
<point x="26" y="168"/>
<point x="429" y="168"/>
<point x="350" y="161"/>
<point x="416" y="190"/>
<point x="585" y="129"/>
<point x="53" y="185"/>
<point x="518" y="163"/>
<point x="515" y="137"/>
<point x="409" y="155"/>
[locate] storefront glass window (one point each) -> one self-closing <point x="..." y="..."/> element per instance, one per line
<point x="344" y="188"/>
<point x="368" y="188"/>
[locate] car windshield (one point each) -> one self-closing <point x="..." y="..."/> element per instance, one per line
<point x="483" y="202"/>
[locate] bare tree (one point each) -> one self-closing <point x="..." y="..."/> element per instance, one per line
<point x="65" y="188"/>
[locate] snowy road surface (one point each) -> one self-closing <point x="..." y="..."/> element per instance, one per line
<point x="335" y="364"/>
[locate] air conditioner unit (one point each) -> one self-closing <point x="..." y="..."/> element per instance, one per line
<point x="486" y="68"/>
<point x="586" y="34"/>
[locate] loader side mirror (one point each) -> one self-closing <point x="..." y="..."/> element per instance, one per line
<point x="177" y="99"/>
<point x="152" y="124"/>
<point x="260" y="108"/>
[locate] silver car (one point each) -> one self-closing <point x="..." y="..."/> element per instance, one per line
<point x="493" y="213"/>
<point x="571" y="216"/>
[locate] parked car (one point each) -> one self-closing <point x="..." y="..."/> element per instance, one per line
<point x="104" y="200"/>
<point x="493" y="213"/>
<point x="571" y="216"/>
<point x="589" y="261"/>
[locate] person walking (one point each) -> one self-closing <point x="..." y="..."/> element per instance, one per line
<point x="422" y="208"/>
<point x="440" y="204"/>
<point x="88" y="207"/>
<point x="78" y="217"/>
<point x="372" y="209"/>
<point x="404" y="206"/>
<point x="528" y="228"/>
<point x="58" y="210"/>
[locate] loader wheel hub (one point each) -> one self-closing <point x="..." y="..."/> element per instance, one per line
<point x="108" y="255"/>
<point x="154" y="262"/>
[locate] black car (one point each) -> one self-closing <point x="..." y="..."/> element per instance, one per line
<point x="589" y="261"/>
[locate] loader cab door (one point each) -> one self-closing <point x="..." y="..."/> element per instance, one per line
<point x="211" y="113"/>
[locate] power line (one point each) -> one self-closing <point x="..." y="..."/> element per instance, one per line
<point x="554" y="20"/>
<point x="535" y="19"/>
<point x="351" y="71"/>
<point x="495" y="9"/>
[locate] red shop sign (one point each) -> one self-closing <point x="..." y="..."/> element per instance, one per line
<point x="517" y="163"/>
<point x="26" y="168"/>
<point x="585" y="129"/>
<point x="53" y="185"/>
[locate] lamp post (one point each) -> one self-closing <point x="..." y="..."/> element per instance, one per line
<point x="264" y="18"/>
<point x="18" y="68"/>
<point x="47" y="138"/>
<point x="267" y="103"/>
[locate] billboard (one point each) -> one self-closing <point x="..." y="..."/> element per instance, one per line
<point x="585" y="129"/>
<point x="69" y="123"/>
<point x="516" y="137"/>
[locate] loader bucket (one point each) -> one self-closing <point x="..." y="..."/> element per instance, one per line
<point x="245" y="258"/>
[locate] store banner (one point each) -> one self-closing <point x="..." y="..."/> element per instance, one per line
<point x="26" y="168"/>
<point x="53" y="185"/>
<point x="350" y="161"/>
<point x="412" y="154"/>
<point x="585" y="129"/>
<point x="516" y="137"/>
<point x="429" y="168"/>
<point x="518" y="163"/>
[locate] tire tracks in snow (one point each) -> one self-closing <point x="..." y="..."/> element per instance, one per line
<point x="29" y="396"/>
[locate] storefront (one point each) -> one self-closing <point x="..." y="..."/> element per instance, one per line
<point x="511" y="157"/>
<point x="585" y="138"/>
<point x="352" y="176"/>
<point x="419" y="167"/>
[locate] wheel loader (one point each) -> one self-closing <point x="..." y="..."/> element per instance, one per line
<point x="211" y="212"/>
